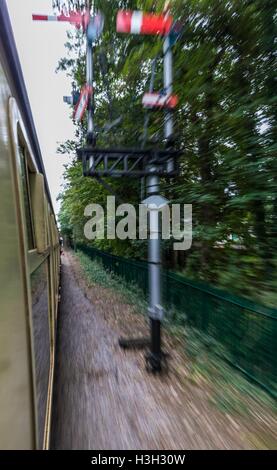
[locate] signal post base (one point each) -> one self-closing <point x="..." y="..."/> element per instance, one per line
<point x="134" y="343"/>
<point x="156" y="360"/>
<point x="156" y="363"/>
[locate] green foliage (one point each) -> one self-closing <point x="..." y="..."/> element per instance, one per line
<point x="225" y="126"/>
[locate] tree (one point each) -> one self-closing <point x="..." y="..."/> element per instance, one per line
<point x="225" y="126"/>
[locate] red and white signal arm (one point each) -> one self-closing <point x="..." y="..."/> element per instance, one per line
<point x="156" y="100"/>
<point x="82" y="104"/>
<point x="77" y="19"/>
<point x="137" y="22"/>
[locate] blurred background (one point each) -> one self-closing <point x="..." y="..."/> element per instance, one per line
<point x="219" y="296"/>
<point x="225" y="123"/>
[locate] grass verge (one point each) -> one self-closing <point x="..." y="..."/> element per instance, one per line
<point x="232" y="393"/>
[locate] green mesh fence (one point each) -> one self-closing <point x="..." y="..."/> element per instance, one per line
<point x="245" y="332"/>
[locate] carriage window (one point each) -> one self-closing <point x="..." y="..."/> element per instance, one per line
<point x="26" y="196"/>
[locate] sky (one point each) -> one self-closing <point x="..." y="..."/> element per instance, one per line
<point x="40" y="45"/>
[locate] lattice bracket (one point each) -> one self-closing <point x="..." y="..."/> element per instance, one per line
<point x="128" y="162"/>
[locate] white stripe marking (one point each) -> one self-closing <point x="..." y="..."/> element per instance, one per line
<point x="136" y="22"/>
<point x="81" y="107"/>
<point x="155" y="99"/>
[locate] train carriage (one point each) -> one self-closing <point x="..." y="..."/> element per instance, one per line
<point x="30" y="262"/>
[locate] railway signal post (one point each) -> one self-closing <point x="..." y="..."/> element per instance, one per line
<point x="155" y="310"/>
<point x="151" y="163"/>
<point x="89" y="78"/>
<point x="138" y="23"/>
<point x="92" y="26"/>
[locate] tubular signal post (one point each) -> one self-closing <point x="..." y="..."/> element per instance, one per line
<point x="89" y="75"/>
